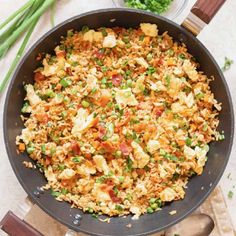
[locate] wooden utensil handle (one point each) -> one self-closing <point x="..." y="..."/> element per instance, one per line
<point x="14" y="226"/>
<point x="206" y="9"/>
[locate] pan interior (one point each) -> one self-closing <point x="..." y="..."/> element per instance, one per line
<point x="198" y="188"/>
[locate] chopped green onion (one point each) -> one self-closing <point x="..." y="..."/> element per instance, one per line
<point x="61" y="166"/>
<point x="85" y="29"/>
<point x="104" y="32"/>
<point x="104" y="80"/>
<point x="76" y="159"/>
<point x="65" y="82"/>
<point x="227" y="64"/>
<point x="55" y="193"/>
<point x="119" y="208"/>
<point x="121" y="179"/>
<point x="43" y="148"/>
<point x="188" y="141"/>
<point x="230" y="194"/>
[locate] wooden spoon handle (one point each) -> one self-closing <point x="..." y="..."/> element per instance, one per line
<point x="206" y="9"/>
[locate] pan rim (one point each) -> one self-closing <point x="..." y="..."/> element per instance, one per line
<point x="41" y="39"/>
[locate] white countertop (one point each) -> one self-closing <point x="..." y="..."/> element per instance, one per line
<point x="219" y="37"/>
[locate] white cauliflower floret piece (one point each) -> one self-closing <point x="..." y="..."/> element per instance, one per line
<point x="142" y="62"/>
<point x="101" y="164"/>
<point x="153" y="146"/>
<point x="125" y="97"/>
<point x="189" y="100"/>
<point x="136" y="211"/>
<point x="33" y="98"/>
<point x="26" y="135"/>
<point x="51" y="177"/>
<point x="190" y="70"/>
<point x="67" y="174"/>
<point x="109" y="41"/>
<point x="141" y="158"/>
<point x="189" y="152"/>
<point x="139" y="85"/>
<point x="99" y="194"/>
<point x="82" y="121"/>
<point x="167" y="195"/>
<point x="49" y="70"/>
<point x="149" y="29"/>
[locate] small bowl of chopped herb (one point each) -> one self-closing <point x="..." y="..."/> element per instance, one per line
<point x="167" y="8"/>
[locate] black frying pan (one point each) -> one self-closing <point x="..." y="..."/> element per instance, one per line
<point x="198" y="188"/>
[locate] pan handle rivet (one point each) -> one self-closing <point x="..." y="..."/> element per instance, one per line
<point x="40" y="190"/>
<point x="76" y="222"/>
<point x="78" y="217"/>
<point x="37" y="193"/>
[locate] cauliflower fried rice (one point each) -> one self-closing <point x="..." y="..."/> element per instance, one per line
<point x="119" y="120"/>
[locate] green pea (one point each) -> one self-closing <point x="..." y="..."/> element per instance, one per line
<point x="154" y="206"/>
<point x="149" y="210"/>
<point x="30" y="150"/>
<point x="85" y="104"/>
<point x="152" y="200"/>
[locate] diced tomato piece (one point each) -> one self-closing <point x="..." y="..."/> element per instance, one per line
<point x="158" y="111"/>
<point x="140" y="171"/>
<point x="61" y="53"/>
<point x="125" y="149"/>
<point x="127" y="117"/>
<point x="68" y="71"/>
<point x="101" y="131"/>
<point x="108" y="146"/>
<point x="75" y="148"/>
<point x="113" y="196"/>
<point x="105" y="97"/>
<point x="48" y="161"/>
<point x="158" y="62"/>
<point x="99" y="54"/>
<point x="38" y="76"/>
<point x="42" y="118"/>
<point x="140" y="127"/>
<point x="117" y="79"/>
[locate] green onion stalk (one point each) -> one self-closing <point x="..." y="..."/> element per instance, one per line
<point x="23" y="20"/>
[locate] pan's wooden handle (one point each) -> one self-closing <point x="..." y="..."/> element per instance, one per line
<point x="201" y="14"/>
<point x="206" y="9"/>
<point x="14" y="226"/>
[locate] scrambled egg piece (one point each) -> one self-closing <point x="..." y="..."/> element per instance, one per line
<point x="142" y="62"/>
<point x="67" y="174"/>
<point x="92" y="35"/>
<point x="167" y="195"/>
<point x="33" y="98"/>
<point x="141" y="158"/>
<point x="153" y="146"/>
<point x="125" y="97"/>
<point x="190" y="70"/>
<point x="50" y="175"/>
<point x="86" y="169"/>
<point x="82" y="121"/>
<point x="101" y="164"/>
<point x="99" y="194"/>
<point x="26" y="135"/>
<point x="149" y="29"/>
<point x="109" y="41"/>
